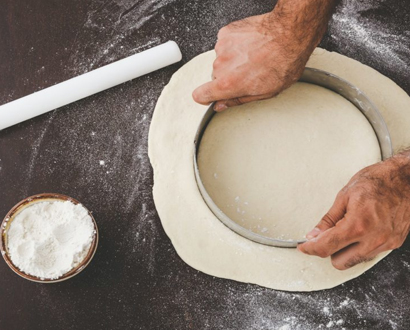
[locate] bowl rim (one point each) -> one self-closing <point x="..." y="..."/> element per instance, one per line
<point x="20" y="206"/>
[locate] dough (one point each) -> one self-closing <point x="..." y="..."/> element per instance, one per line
<point x="200" y="239"/>
<point x="275" y="166"/>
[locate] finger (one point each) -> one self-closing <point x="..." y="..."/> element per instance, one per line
<point x="203" y="94"/>
<point x="225" y="104"/>
<point x="330" y="241"/>
<point x="218" y="89"/>
<point x="356" y="254"/>
<point x="329" y="220"/>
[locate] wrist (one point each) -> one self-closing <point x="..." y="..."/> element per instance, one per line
<point x="398" y="171"/>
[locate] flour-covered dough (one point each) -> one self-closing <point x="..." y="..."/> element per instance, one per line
<point x="200" y="239"/>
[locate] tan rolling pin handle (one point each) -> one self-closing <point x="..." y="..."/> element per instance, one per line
<point x="89" y="83"/>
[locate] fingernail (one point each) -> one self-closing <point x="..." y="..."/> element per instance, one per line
<point x="313" y="233"/>
<point x="220" y="107"/>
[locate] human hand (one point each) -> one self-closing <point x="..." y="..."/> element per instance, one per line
<point x="260" y="56"/>
<point x="371" y="214"/>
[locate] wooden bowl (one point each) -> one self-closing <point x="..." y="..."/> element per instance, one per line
<point x="20" y="207"/>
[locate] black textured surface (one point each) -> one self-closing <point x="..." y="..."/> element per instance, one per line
<point x="136" y="280"/>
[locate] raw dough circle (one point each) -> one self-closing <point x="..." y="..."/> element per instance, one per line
<point x="275" y="166"/>
<point x="199" y="238"/>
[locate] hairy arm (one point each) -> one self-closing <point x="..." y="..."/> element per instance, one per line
<point x="260" y="56"/>
<point x="371" y="214"/>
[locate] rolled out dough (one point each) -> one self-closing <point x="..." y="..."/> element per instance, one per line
<point x="200" y="239"/>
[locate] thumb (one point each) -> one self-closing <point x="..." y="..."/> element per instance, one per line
<point x="219" y="89"/>
<point x="329" y="220"/>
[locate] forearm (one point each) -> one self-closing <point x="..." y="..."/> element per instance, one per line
<point x="302" y="21"/>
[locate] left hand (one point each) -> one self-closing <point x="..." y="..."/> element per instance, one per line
<point x="260" y="56"/>
<point x="371" y="214"/>
<point x="254" y="62"/>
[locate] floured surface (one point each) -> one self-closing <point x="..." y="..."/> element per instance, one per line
<point x="275" y="166"/>
<point x="136" y="280"/>
<point x="199" y="238"/>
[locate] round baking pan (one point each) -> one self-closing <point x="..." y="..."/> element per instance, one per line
<point x="311" y="76"/>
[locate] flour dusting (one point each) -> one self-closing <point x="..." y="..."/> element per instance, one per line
<point x="96" y="151"/>
<point x="360" y="31"/>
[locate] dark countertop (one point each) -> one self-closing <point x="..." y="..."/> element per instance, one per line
<point x="136" y="280"/>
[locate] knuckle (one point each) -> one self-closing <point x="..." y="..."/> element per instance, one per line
<point x="217" y="63"/>
<point x="342" y="193"/>
<point x="360" y="229"/>
<point x="218" y="46"/>
<point x="225" y="57"/>
<point x="222" y="32"/>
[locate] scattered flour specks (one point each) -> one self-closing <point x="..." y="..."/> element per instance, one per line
<point x="359" y="29"/>
<point x="97" y="148"/>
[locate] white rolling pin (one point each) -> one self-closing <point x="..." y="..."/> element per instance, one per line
<point x="89" y="83"/>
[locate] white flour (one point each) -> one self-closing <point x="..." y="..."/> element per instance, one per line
<point x="48" y="239"/>
<point x="355" y="29"/>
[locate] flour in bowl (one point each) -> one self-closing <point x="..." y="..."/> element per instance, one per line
<point x="48" y="239"/>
